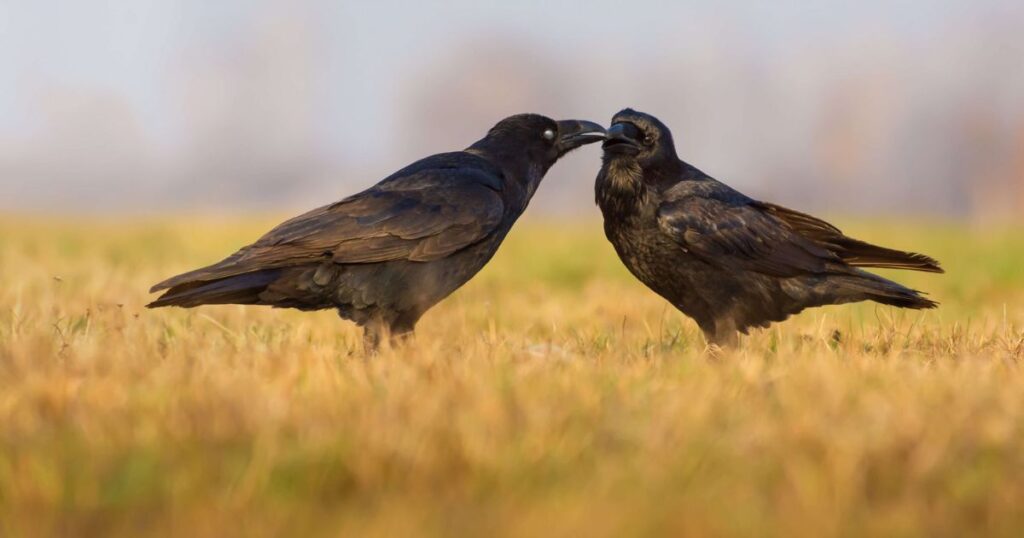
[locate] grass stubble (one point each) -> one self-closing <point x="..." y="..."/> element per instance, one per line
<point x="551" y="396"/>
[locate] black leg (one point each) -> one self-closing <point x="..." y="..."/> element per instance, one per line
<point x="374" y="334"/>
<point x="403" y="326"/>
<point x="721" y="333"/>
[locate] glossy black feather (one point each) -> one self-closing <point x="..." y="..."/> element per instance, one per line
<point x="722" y="258"/>
<point x="384" y="256"/>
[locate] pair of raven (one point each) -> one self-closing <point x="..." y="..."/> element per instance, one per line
<point x="386" y="255"/>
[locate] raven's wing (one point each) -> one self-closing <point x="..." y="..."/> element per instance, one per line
<point x="853" y="251"/>
<point x="424" y="216"/>
<point x="738" y="235"/>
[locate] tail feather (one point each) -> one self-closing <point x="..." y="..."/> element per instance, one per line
<point x="881" y="290"/>
<point x="222" y="269"/>
<point x="239" y="289"/>
<point x="861" y="254"/>
<point x="852" y="251"/>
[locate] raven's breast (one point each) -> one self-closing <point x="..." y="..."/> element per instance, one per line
<point x="665" y="267"/>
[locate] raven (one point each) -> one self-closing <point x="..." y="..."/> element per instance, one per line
<point x="386" y="255"/>
<point x="728" y="261"/>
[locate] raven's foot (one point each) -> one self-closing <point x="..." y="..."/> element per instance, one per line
<point x="378" y="336"/>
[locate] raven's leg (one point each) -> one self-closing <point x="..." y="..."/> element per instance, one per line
<point x="375" y="332"/>
<point x="720" y="332"/>
<point x="403" y="326"/>
<point x="726" y="338"/>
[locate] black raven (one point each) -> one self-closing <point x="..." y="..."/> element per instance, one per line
<point x="726" y="260"/>
<point x="384" y="256"/>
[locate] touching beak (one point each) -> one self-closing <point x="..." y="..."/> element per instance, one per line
<point x="622" y="136"/>
<point x="576" y="133"/>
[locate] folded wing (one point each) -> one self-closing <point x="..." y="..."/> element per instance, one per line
<point x="852" y="251"/>
<point x="739" y="236"/>
<point x="431" y="214"/>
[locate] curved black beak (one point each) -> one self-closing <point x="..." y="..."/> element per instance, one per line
<point x="575" y="133"/>
<point x="622" y="135"/>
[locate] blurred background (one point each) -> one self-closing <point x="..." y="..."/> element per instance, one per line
<point x="869" y="107"/>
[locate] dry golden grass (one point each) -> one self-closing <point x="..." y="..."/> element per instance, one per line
<point x="552" y="396"/>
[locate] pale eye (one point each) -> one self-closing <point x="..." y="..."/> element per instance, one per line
<point x="549" y="134"/>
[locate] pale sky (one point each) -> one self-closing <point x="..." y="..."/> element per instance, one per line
<point x="355" y="74"/>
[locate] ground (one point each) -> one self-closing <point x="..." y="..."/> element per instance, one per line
<point x="553" y="395"/>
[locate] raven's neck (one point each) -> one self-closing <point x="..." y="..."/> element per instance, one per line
<point x="519" y="171"/>
<point x="624" y="189"/>
<point x="620" y="189"/>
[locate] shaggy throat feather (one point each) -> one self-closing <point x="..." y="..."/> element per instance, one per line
<point x="623" y="187"/>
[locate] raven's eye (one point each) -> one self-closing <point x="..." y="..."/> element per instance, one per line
<point x="549" y="134"/>
<point x="648" y="139"/>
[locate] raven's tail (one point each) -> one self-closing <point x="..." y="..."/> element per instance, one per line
<point x="852" y="251"/>
<point x="871" y="287"/>
<point x="238" y="289"/>
<point x="860" y="254"/>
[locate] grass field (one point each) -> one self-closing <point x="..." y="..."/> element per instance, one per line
<point x="551" y="396"/>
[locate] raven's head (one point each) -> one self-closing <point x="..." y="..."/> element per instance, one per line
<point x="639" y="137"/>
<point x="536" y="141"/>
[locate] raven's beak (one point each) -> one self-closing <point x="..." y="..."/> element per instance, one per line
<point x="575" y="133"/>
<point x="622" y="135"/>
